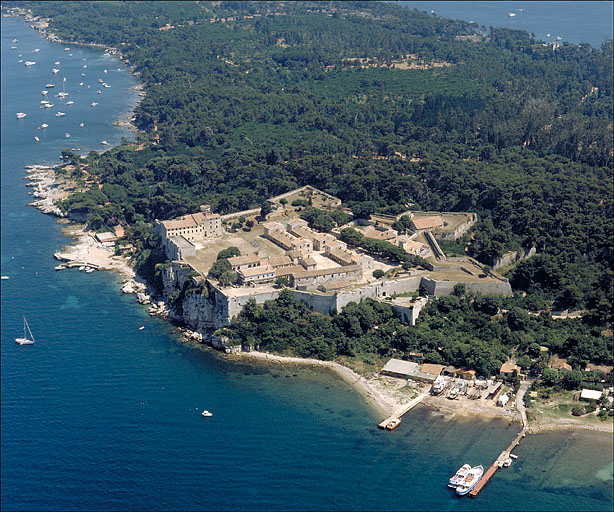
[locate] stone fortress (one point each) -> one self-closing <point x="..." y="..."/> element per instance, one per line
<point x="318" y="267"/>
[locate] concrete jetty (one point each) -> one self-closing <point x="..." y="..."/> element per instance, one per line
<point x="404" y="409"/>
<point x="505" y="454"/>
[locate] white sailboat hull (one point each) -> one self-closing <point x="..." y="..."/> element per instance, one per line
<point x="24" y="341"/>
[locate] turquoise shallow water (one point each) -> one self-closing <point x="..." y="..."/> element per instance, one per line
<point x="98" y="415"/>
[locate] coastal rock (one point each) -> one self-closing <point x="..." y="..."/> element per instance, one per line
<point x="128" y="287"/>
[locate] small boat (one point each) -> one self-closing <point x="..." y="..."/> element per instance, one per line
<point x="20" y="56"/>
<point x="48" y="105"/>
<point x="82" y="74"/>
<point x="20" y="61"/>
<point x="459" y="475"/>
<point x="141" y="328"/>
<point x="100" y="80"/>
<point x="44" y="93"/>
<point x="26" y="329"/>
<point x="105" y="143"/>
<point x="80" y="83"/>
<point x="60" y="267"/>
<point x="105" y="70"/>
<point x="44" y="102"/>
<point x="63" y="94"/>
<point x="99" y="92"/>
<point x="36" y="139"/>
<point x="66" y="49"/>
<point x="82" y="267"/>
<point x="507" y="463"/>
<point x="30" y="63"/>
<point x="85" y="67"/>
<point x="391" y="425"/>
<point x="20" y="115"/>
<point x="44" y="125"/>
<point x="69" y="102"/>
<point x="13" y="47"/>
<point x="56" y="63"/>
<point x="511" y="14"/>
<point x="67" y="135"/>
<point x="206" y="413"/>
<point x="89" y="270"/>
<point x="49" y="86"/>
<point x="4" y="277"/>
<point x="36" y="50"/>
<point x="14" y="41"/>
<point x="55" y="70"/>
<point x="94" y="104"/>
<point x="106" y="85"/>
<point x="59" y="114"/>
<point x="470" y="481"/>
<point x="81" y="125"/>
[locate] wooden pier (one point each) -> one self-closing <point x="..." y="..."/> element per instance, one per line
<point x="402" y="410"/>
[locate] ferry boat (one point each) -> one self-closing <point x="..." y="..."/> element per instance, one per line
<point x="470" y="481"/>
<point x="459" y="475"/>
<point x="20" y="115"/>
<point x="391" y="425"/>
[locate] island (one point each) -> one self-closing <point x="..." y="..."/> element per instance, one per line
<point x="422" y="203"/>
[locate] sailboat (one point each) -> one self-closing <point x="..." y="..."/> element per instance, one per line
<point x="26" y="329"/>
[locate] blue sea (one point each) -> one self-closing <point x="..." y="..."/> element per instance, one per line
<point x="573" y="21"/>
<point x="99" y="415"/>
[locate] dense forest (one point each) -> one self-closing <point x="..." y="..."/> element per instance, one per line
<point x="382" y="106"/>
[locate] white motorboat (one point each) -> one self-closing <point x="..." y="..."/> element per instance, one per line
<point x="48" y="105"/>
<point x="82" y="74"/>
<point x="105" y="143"/>
<point x="20" y="61"/>
<point x="4" y="277"/>
<point x="49" y="86"/>
<point x="67" y="135"/>
<point x="99" y="92"/>
<point x="26" y="330"/>
<point x="44" y="93"/>
<point x="30" y="63"/>
<point x="470" y="481"/>
<point x="66" y="49"/>
<point x="44" y="102"/>
<point x="81" y="125"/>
<point x="106" y="86"/>
<point x="56" y="63"/>
<point x="36" y="50"/>
<point x="36" y="139"/>
<point x="59" y="114"/>
<point x="511" y="14"/>
<point x="141" y="328"/>
<point x="207" y="414"/>
<point x="44" y="125"/>
<point x="94" y="104"/>
<point x="20" y="115"/>
<point x="55" y="70"/>
<point x="80" y="83"/>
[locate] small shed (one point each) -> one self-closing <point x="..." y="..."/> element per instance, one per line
<point x="590" y="394"/>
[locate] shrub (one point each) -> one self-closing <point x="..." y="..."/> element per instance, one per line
<point x="577" y="411"/>
<point x="378" y="273"/>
